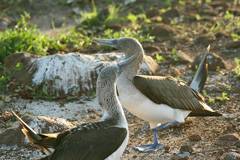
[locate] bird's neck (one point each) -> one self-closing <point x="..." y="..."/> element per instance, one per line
<point x="107" y="97"/>
<point x="133" y="68"/>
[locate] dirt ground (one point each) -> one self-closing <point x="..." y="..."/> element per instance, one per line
<point x="191" y="37"/>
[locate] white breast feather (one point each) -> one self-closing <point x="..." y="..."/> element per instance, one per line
<point x="141" y="106"/>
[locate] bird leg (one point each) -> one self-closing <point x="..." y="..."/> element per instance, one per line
<point x="169" y="124"/>
<point x="151" y="147"/>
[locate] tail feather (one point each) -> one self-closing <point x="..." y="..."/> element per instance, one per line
<point x="204" y="114"/>
<point x="200" y="76"/>
<point x="43" y="141"/>
<point x="27" y="130"/>
<point x="208" y="111"/>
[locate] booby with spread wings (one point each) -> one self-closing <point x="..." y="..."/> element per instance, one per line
<point x="104" y="140"/>
<point x="161" y="101"/>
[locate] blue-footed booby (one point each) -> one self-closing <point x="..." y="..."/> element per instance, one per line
<point x="104" y="140"/>
<point x="161" y="101"/>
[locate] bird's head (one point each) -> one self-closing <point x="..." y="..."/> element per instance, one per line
<point x="128" y="46"/>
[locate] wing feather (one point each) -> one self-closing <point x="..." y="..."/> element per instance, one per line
<point x="170" y="91"/>
<point x="89" y="142"/>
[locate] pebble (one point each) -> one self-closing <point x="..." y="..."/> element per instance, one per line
<point x="181" y="156"/>
<point x="167" y="149"/>
<point x="12" y="137"/>
<point x="162" y="31"/>
<point x="186" y="148"/>
<point x="231" y="156"/>
<point x="237" y="144"/>
<point x="203" y="40"/>
<point x="228" y="139"/>
<point x="195" y="138"/>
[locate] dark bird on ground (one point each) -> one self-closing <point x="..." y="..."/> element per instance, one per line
<point x="161" y="101"/>
<point x="104" y="140"/>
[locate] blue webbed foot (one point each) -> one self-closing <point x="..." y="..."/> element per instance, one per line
<point x="149" y="147"/>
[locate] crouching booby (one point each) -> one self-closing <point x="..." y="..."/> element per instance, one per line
<point x="162" y="101"/>
<point x="106" y="139"/>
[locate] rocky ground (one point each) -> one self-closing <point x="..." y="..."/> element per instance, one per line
<point x="183" y="33"/>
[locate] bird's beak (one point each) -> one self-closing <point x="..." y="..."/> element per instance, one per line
<point x="107" y="42"/>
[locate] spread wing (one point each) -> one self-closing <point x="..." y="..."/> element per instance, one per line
<point x="89" y="142"/>
<point x="167" y="90"/>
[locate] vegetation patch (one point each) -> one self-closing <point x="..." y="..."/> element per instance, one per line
<point x="24" y="37"/>
<point x="127" y="32"/>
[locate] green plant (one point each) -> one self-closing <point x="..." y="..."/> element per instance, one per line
<point x="73" y="40"/>
<point x="91" y="18"/>
<point x="229" y="24"/>
<point x="224" y="97"/>
<point x="24" y="37"/>
<point x="132" y="18"/>
<point x="113" y="15"/>
<point x="228" y="16"/>
<point x="128" y="32"/>
<point x="174" y="54"/>
<point x="19" y="66"/>
<point x="159" y="58"/>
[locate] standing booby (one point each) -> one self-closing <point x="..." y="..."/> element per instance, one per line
<point x="106" y="139"/>
<point x="162" y="101"/>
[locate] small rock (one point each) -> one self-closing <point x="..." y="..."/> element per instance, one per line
<point x="222" y="35"/>
<point x="59" y="22"/>
<point x="167" y="149"/>
<point x="5" y="116"/>
<point x="208" y="10"/>
<point x="170" y="14"/>
<point x="114" y="26"/>
<point x="235" y="11"/>
<point x="7" y="99"/>
<point x="186" y="148"/>
<point x="181" y="156"/>
<point x="183" y="58"/>
<point x="214" y="61"/>
<point x="195" y="137"/>
<point x="152" y="12"/>
<point x="231" y="156"/>
<point x="20" y="66"/>
<point x="3" y="25"/>
<point x="204" y="40"/>
<point x="233" y="45"/>
<point x="237" y="144"/>
<point x="220" y="5"/>
<point x="175" y="72"/>
<point x="151" y="48"/>
<point x="12" y="137"/>
<point x="162" y="31"/>
<point x="228" y="139"/>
